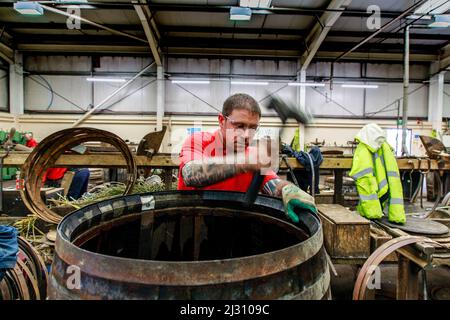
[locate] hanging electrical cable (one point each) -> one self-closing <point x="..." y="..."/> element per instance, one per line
<point x="57" y="94"/>
<point x="49" y="87"/>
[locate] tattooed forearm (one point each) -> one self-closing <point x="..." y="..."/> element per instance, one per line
<point x="273" y="187"/>
<point x="198" y="173"/>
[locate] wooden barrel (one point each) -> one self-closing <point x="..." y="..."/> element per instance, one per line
<point x="188" y="245"/>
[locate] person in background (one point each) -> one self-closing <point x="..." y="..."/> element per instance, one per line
<point x="54" y="176"/>
<point x="31" y="142"/>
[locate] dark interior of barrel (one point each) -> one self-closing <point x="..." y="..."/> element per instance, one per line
<point x="191" y="234"/>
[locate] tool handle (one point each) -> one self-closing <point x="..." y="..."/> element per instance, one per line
<point x="253" y="189"/>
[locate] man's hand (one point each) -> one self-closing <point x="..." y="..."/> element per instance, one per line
<point x="261" y="155"/>
<point x="296" y="200"/>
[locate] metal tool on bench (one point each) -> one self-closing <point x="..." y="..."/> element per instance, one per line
<point x="423" y="177"/>
<point x="417" y="226"/>
<point x="11" y="145"/>
<point x="149" y="146"/>
<point x="284" y="111"/>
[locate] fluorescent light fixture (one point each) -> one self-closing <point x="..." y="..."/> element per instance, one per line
<point x="433" y="7"/>
<point x="255" y="3"/>
<point x="365" y="86"/>
<point x="440" y="21"/>
<point x="106" y="79"/>
<point x="250" y="83"/>
<point x="306" y="84"/>
<point x="191" y="81"/>
<point x="240" y="13"/>
<point x="417" y="16"/>
<point x="79" y="4"/>
<point x="29" y="8"/>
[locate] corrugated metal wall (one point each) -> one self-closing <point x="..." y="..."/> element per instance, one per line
<point x="66" y="77"/>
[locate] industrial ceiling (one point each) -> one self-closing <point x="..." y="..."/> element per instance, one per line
<point x="307" y="29"/>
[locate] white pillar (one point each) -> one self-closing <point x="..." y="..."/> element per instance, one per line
<point x="160" y="97"/>
<point x="436" y="101"/>
<point x="301" y="102"/>
<point x="16" y="94"/>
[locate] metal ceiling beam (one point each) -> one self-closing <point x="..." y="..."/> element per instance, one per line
<point x="151" y="38"/>
<point x="384" y="27"/>
<point x="295" y="32"/>
<point x="320" y="30"/>
<point x="72" y="39"/>
<point x="224" y="30"/>
<point x="381" y="47"/>
<point x="274" y="10"/>
<point x="152" y="19"/>
<point x="289" y="54"/>
<point x="6" y="53"/>
<point x="388" y="35"/>
<point x="213" y="42"/>
<point x="245" y="43"/>
<point x="233" y="30"/>
<point x="73" y="16"/>
<point x="56" y="25"/>
<point x="87" y="49"/>
<point x="281" y="44"/>
<point x="378" y="56"/>
<point x="443" y="61"/>
<point x="219" y="52"/>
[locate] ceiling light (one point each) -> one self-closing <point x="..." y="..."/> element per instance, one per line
<point x="251" y="83"/>
<point x="419" y="17"/>
<point x="306" y="84"/>
<point x="191" y="81"/>
<point x="240" y="13"/>
<point x="255" y="3"/>
<point x="29" y="8"/>
<point x="106" y="79"/>
<point x="433" y="7"/>
<point x="79" y="4"/>
<point x="365" y="86"/>
<point x="440" y="21"/>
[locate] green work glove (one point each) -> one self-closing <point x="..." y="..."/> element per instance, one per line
<point x="295" y="199"/>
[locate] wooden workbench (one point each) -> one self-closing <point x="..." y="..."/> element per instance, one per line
<point x="112" y="159"/>
<point x="169" y="162"/>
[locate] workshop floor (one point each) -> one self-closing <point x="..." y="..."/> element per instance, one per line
<point x="438" y="279"/>
<point x="438" y="283"/>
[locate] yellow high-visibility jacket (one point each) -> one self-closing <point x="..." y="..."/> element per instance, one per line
<point x="377" y="176"/>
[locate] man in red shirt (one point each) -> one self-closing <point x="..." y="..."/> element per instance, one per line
<point x="224" y="159"/>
